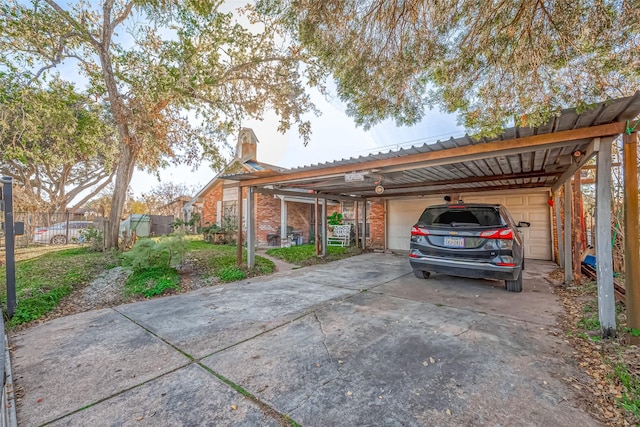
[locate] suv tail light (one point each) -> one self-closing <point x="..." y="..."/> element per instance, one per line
<point x="503" y="233"/>
<point x="417" y="231"/>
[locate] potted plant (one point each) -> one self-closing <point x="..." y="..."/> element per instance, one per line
<point x="334" y="219"/>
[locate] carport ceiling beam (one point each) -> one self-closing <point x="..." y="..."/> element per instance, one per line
<point x="277" y="192"/>
<point x="458" y="190"/>
<point x="455" y="155"/>
<point x="592" y="150"/>
<point x="473" y="179"/>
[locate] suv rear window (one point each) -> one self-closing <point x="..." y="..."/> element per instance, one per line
<point x="460" y="217"/>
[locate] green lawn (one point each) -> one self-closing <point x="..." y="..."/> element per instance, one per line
<point x="306" y="254"/>
<point x="41" y="282"/>
<point x="44" y="280"/>
<point x="221" y="261"/>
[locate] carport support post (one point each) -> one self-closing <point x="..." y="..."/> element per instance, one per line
<point x="577" y="228"/>
<point x="251" y="229"/>
<point x="556" y="203"/>
<point x="364" y="225"/>
<point x="283" y="221"/>
<point x="324" y="226"/>
<point x="631" y="243"/>
<point x="357" y="230"/>
<point x="239" y="239"/>
<point x="317" y="236"/>
<point x="604" y="256"/>
<point x="568" y="273"/>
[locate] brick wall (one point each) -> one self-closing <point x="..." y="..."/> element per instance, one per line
<point x="210" y="204"/>
<point x="267" y="217"/>
<point x="298" y="217"/>
<point x="376" y="224"/>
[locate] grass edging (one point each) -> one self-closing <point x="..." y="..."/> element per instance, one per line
<point x="306" y="254"/>
<point x="285" y="419"/>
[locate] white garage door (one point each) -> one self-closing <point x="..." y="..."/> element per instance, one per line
<point x="530" y="206"/>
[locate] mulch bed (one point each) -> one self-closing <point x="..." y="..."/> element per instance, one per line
<point x="600" y="390"/>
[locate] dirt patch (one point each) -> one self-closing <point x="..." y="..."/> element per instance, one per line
<point x="600" y="390"/>
<point x="105" y="290"/>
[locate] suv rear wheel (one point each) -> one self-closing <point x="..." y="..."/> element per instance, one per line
<point x="514" y="285"/>
<point x="59" y="240"/>
<point x="420" y="274"/>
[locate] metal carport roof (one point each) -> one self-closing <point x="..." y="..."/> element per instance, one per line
<point x="521" y="157"/>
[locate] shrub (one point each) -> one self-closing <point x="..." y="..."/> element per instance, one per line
<point x="153" y="263"/>
<point x="94" y="237"/>
<point x="167" y="251"/>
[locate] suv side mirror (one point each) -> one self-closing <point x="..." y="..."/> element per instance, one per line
<point x="523" y="224"/>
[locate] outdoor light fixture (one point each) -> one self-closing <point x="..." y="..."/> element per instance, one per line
<point x="577" y="153"/>
<point x="379" y="189"/>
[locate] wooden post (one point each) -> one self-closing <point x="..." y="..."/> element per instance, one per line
<point x="556" y="203"/>
<point x="251" y="229"/>
<point x="386" y="225"/>
<point x="568" y="272"/>
<point x="283" y="221"/>
<point x="604" y="255"/>
<point x="577" y="229"/>
<point x="364" y="225"/>
<point x="631" y="244"/>
<point x="239" y="239"/>
<point x="356" y="204"/>
<point x="324" y="226"/>
<point x="317" y="236"/>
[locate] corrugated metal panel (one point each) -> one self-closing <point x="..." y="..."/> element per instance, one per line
<point x="543" y="161"/>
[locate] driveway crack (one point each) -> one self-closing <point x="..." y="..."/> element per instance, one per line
<point x="324" y="339"/>
<point x="471" y="326"/>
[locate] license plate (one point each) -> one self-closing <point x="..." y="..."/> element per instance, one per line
<point x="454" y="242"/>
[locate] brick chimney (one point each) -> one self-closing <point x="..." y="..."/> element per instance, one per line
<point x="247" y="146"/>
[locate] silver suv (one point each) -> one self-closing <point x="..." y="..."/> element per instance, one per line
<point x="470" y="240"/>
<point x="57" y="234"/>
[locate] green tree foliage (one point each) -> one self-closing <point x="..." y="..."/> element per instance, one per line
<point x="55" y="142"/>
<point x="491" y="62"/>
<point x="159" y="66"/>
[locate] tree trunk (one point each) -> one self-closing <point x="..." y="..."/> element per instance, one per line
<point x="124" y="172"/>
<point x="128" y="151"/>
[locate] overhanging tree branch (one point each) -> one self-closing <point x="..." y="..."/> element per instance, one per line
<point x="74" y="23"/>
<point x="93" y="193"/>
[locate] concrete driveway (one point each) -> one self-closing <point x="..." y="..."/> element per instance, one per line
<point x="355" y="342"/>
